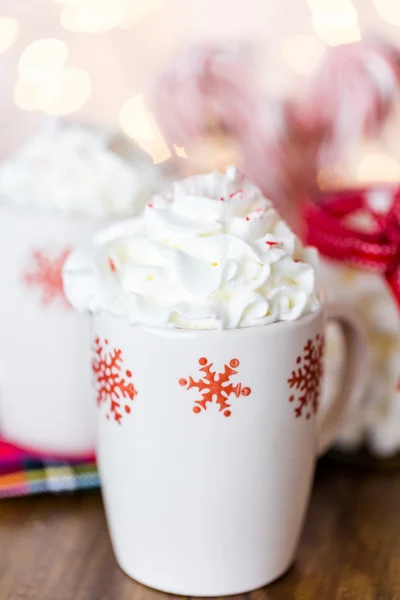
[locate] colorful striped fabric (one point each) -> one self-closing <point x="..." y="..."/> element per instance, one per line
<point x="23" y="474"/>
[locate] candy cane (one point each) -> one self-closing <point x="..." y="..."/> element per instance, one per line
<point x="283" y="143"/>
<point x="203" y="85"/>
<point x="351" y="95"/>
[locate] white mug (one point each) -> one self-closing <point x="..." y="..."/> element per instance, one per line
<point x="207" y="442"/>
<point x="45" y="376"/>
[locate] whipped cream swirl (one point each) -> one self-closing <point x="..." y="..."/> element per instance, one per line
<point x="82" y="171"/>
<point x="210" y="252"/>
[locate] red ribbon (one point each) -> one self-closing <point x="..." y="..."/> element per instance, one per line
<point x="329" y="231"/>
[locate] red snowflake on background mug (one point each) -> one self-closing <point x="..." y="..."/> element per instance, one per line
<point x="45" y="274"/>
<point x="111" y="381"/>
<point x="306" y="378"/>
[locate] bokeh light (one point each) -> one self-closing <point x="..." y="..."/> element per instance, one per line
<point x="329" y="29"/>
<point x="61" y="94"/>
<point x="339" y="6"/>
<point x="137" y="122"/>
<point x="389" y="11"/>
<point x="27" y="94"/>
<point x="335" y="21"/>
<point x="378" y="167"/>
<point x="159" y="151"/>
<point x="8" y="32"/>
<point x="303" y="52"/>
<point x="136" y="10"/>
<point x="92" y="16"/>
<point x="317" y="6"/>
<point x="66" y="93"/>
<point x="42" y="59"/>
<point x="180" y="151"/>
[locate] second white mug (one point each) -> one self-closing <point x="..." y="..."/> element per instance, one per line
<point x="46" y="397"/>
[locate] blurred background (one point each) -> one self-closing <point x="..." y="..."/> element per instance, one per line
<point x="91" y="59"/>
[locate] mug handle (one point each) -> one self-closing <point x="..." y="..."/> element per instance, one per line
<point x="354" y="379"/>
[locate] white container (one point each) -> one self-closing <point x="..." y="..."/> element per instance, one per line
<point x="45" y="377"/>
<point x="356" y="232"/>
<point x="207" y="498"/>
<point x="376" y="423"/>
<point x="46" y="398"/>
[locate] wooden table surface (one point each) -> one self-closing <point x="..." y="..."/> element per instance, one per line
<point x="57" y="547"/>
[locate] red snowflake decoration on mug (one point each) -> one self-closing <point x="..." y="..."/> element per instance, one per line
<point x="306" y="379"/>
<point x="112" y="383"/>
<point x="215" y="387"/>
<point x="45" y="274"/>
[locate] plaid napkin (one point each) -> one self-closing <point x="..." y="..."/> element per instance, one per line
<point x="22" y="474"/>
